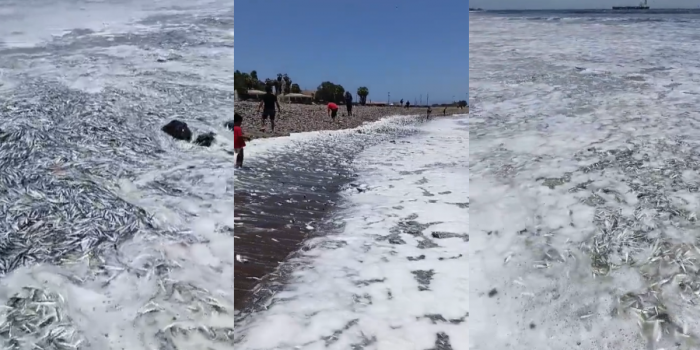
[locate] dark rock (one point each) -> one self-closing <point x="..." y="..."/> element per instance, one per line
<point x="205" y="139"/>
<point x="229" y="125"/>
<point x="178" y="130"/>
<point x="493" y="292"/>
<point x="169" y="57"/>
<point x="416" y="258"/>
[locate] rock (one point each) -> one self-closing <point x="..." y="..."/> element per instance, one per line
<point x="178" y="130"/>
<point x="229" y="125"/>
<point x="205" y="139"/>
<point x="171" y="56"/>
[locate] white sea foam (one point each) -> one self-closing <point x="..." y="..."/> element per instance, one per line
<point x="358" y="289"/>
<point x="544" y="103"/>
<point x="125" y="306"/>
<point x="268" y="146"/>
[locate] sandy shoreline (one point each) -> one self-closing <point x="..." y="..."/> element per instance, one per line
<point x="296" y="118"/>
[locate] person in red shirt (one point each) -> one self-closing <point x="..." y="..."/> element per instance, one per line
<point x="332" y="110"/>
<point x="238" y="139"/>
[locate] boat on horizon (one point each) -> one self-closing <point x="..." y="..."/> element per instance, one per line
<point x="642" y="6"/>
<point x="472" y="9"/>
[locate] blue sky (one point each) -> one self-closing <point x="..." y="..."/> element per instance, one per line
<point x="405" y="47"/>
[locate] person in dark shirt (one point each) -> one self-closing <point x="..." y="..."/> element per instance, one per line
<point x="269" y="101"/>
<point x="348" y="102"/>
<point x="430" y="110"/>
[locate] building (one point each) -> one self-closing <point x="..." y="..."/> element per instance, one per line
<point x="298" y="98"/>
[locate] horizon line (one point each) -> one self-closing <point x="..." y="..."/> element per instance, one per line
<point x="588" y="9"/>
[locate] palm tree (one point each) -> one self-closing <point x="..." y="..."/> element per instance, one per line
<point x="363" y="92"/>
<point x="278" y="84"/>
<point x="287" y="83"/>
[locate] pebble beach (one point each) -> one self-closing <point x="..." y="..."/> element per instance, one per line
<point x="295" y="118"/>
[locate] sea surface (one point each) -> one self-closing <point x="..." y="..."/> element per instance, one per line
<point x="112" y="234"/>
<point x="385" y="267"/>
<point x="584" y="176"/>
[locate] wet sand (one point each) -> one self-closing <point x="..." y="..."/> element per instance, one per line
<point x="284" y="199"/>
<point x="296" y="118"/>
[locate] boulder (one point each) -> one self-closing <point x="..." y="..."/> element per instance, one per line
<point x="178" y="130"/>
<point x="229" y="125"/>
<point x="205" y="139"/>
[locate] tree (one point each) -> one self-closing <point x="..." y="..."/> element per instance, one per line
<point x="268" y="83"/>
<point x="329" y="92"/>
<point x="254" y="77"/>
<point x="287" y="84"/>
<point x="254" y="82"/>
<point x="240" y="83"/>
<point x="295" y="89"/>
<point x="462" y="104"/>
<point x="363" y="92"/>
<point x="278" y="84"/>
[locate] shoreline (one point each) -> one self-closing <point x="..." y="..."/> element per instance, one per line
<point x="297" y="118"/>
<point x="396" y="238"/>
<point x="309" y="180"/>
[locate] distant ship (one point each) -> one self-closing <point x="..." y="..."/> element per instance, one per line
<point x="471" y="9"/>
<point x="642" y="6"/>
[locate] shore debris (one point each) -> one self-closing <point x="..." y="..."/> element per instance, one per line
<point x="178" y="130"/>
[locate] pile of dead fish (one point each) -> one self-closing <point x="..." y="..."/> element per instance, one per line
<point x="60" y="153"/>
<point x="54" y="157"/>
<point x="642" y="222"/>
<point x="23" y="326"/>
<point x="638" y="239"/>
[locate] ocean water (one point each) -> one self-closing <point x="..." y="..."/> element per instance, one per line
<point x="114" y="236"/>
<point x="387" y="269"/>
<point x="584" y="159"/>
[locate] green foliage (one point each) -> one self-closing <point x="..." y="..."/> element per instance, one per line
<point x="462" y="104"/>
<point x="288" y="84"/>
<point x="329" y="92"/>
<point x="250" y="81"/>
<point x="363" y="92"/>
<point x="242" y="82"/>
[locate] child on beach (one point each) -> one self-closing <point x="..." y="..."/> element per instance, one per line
<point x="238" y="139"/>
<point x="332" y="110"/>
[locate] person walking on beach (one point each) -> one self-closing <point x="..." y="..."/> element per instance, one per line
<point x="269" y="101"/>
<point x="332" y="110"/>
<point x="238" y="139"/>
<point x="444" y="112"/>
<point x="430" y="110"/>
<point x="348" y="102"/>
